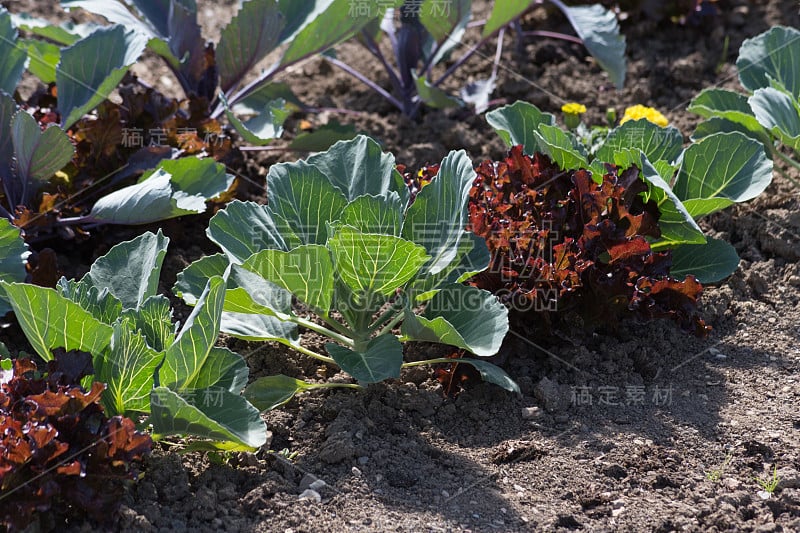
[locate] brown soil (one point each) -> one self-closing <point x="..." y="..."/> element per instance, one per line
<point x="641" y="429"/>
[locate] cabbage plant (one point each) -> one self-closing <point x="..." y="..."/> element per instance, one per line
<point x="33" y="148"/>
<point x="176" y="378"/>
<point x="770" y="111"/>
<point x="216" y="72"/>
<point x="431" y="30"/>
<point x="345" y="241"/>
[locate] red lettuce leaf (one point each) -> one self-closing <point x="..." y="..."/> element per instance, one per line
<point x="564" y="246"/>
<point x="58" y="451"/>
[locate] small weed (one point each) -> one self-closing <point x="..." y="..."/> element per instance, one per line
<point x="222" y="457"/>
<point x="769" y="485"/>
<point x="716" y="474"/>
<point x="288" y="455"/>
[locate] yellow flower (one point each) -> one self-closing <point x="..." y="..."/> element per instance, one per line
<point x="573" y="109"/>
<point x="572" y="113"/>
<point x="639" y="111"/>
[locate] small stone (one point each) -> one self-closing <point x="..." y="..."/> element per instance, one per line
<point x="617" y="512"/>
<point x="307" y="481"/>
<point x="317" y="485"/>
<point x="363" y="460"/>
<point x="309" y="494"/>
<point x="618" y="504"/>
<point x="356" y="471"/>
<point x="445" y="494"/>
<point x="730" y="483"/>
<point x="549" y="393"/>
<point x="530" y="412"/>
<point x="764" y="495"/>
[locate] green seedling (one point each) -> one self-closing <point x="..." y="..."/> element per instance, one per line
<point x="768" y="484"/>
<point x="716" y="474"/>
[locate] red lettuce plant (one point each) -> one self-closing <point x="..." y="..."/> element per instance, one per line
<point x="567" y="247"/>
<point x="58" y="451"/>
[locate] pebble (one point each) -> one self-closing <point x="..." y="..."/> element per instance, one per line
<point x="310" y="494"/>
<point x="549" y="393"/>
<point x="530" y="412"/>
<point x="731" y="483"/>
<point x="356" y="471"/>
<point x="617" y="512"/>
<point x="307" y="481"/>
<point x="317" y="485"/>
<point x="363" y="460"/>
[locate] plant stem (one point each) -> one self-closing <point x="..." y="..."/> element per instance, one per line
<point x="785" y="158"/>
<point x="5" y="213"/>
<point x="386" y="315"/>
<point x="341" y="328"/>
<point x="552" y="35"/>
<point x="322" y="330"/>
<point x="373" y="47"/>
<point x="497" y="54"/>
<point x="461" y="60"/>
<point x="788" y="177"/>
<point x="11" y="201"/>
<point x="71" y="221"/>
<point x="388" y="327"/>
<point x="305" y="351"/>
<point x="245" y="91"/>
<point x="366" y="81"/>
<point x="335" y="386"/>
<point x="430" y="362"/>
